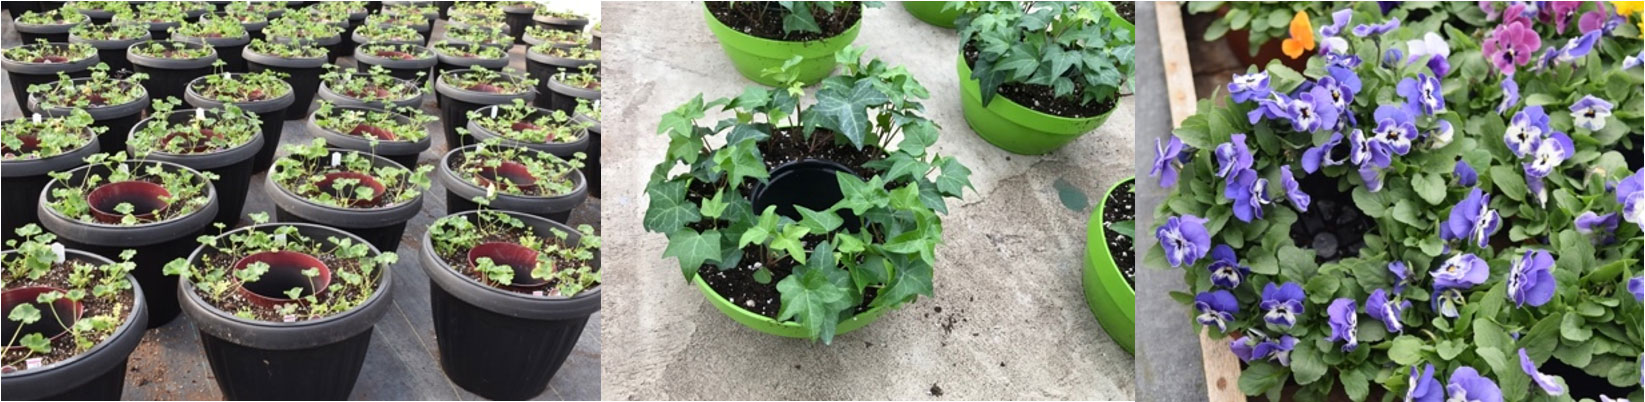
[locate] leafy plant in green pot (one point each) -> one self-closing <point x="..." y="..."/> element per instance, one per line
<point x="50" y="25"/>
<point x="457" y="56"/>
<point x="761" y="36"/>
<point x="114" y="104"/>
<point x="387" y="34"/>
<point x="405" y="61"/>
<point x="559" y="20"/>
<point x="111" y="41"/>
<point x="72" y="319"/>
<point x="112" y="204"/>
<point x="307" y="29"/>
<point x="42" y="62"/>
<point x="100" y="12"/>
<point x="302" y="63"/>
<point x="171" y="65"/>
<point x="461" y="91"/>
<point x="1031" y="87"/>
<point x="285" y="310"/>
<point x="30" y="149"/>
<point x="400" y="134"/>
<point x="809" y="248"/>
<point x="1110" y="264"/>
<point x="515" y="179"/>
<point x="265" y="94"/>
<point x="223" y="140"/>
<point x="940" y="13"/>
<point x="521" y="125"/>
<point x="563" y="39"/>
<point x="511" y="294"/>
<point x="221" y="32"/>
<point x="567" y="90"/>
<point x="376" y="88"/>
<point x="402" y="17"/>
<point x="364" y="194"/>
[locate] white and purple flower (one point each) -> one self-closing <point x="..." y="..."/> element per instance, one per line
<point x="1465" y="174"/>
<point x="1320" y="156"/>
<point x="1525" y="130"/>
<point x="1431" y="44"/>
<point x="1249" y="192"/>
<point x="1395" y="128"/>
<point x="1293" y="190"/>
<point x="1184" y="239"/>
<point x="1631" y="194"/>
<point x="1379" y="306"/>
<point x="1467" y="385"/>
<point x="1364" y="30"/>
<point x="1330" y="39"/>
<point x="1510" y="96"/>
<point x="1531" y="279"/>
<point x="1590" y="113"/>
<point x="1461" y="271"/>
<point x="1310" y="111"/>
<point x="1225" y="269"/>
<point x="1249" y="349"/>
<point x="1422" y="387"/>
<point x="1601" y="227"/>
<point x="1246" y="87"/>
<point x="1344" y="317"/>
<point x="1422" y="93"/>
<point x="1282" y="304"/>
<point x="1216" y="309"/>
<point x="1168" y="160"/>
<point x="1548" y="154"/>
<point x="1544" y="381"/>
<point x="1472" y="220"/>
<point x="1232" y="157"/>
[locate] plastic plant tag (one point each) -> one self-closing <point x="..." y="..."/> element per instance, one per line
<point x="336" y="159"/>
<point x="58" y="251"/>
<point x="289" y="318"/>
<point x="199" y="114"/>
<point x="280" y="238"/>
<point x="225" y="75"/>
<point x="36" y="117"/>
<point x="537" y="293"/>
<point x="494" y="111"/>
<point x="34" y="362"/>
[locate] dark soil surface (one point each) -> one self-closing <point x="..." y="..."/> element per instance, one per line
<point x="63" y="347"/>
<point x="1121" y="206"/>
<point x="1126" y="10"/>
<point x="232" y="301"/>
<point x="531" y="191"/>
<point x="1041" y="98"/>
<point x="459" y="262"/>
<point x="1333" y="226"/>
<point x="764" y="19"/>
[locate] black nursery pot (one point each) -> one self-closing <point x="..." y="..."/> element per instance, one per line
<point x="339" y="99"/>
<point x="456" y="102"/>
<point x="591" y="166"/>
<point x="333" y="44"/>
<point x="459" y="193"/>
<point x="157" y="243"/>
<point x="162" y="30"/>
<point x="405" y="69"/>
<point x="233" y="167"/>
<point x="169" y="78"/>
<point x="24" y="180"/>
<point x="97" y="16"/>
<point x="518" y="17"/>
<point x="404" y="153"/>
<point x="382" y="227"/>
<point x="117" y="118"/>
<point x="564" y="97"/>
<point x="228" y="49"/>
<point x="111" y="51"/>
<point x="268" y="112"/>
<point x="560" y="24"/>
<point x="450" y="63"/>
<point x="810" y="183"/>
<point x="24" y="73"/>
<point x="564" y="150"/>
<point x="500" y="344"/>
<point x="305" y="360"/>
<point x="99" y="374"/>
<point x="544" y="68"/>
<point x="302" y="74"/>
<point x="54" y="33"/>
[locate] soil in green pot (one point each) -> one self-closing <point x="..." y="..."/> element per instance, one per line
<point x="1041" y="98"/>
<point x="764" y="19"/>
<point x="1121" y="206"/>
<point x="1126" y="10"/>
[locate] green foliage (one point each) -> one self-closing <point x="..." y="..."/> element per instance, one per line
<point x="355" y="268"/>
<point x="52" y="136"/>
<point x="389" y="32"/>
<point x="542" y="126"/>
<point x="304" y="28"/>
<point x="376" y="85"/>
<point x="205" y="131"/>
<point x="552" y="176"/>
<point x="211" y="26"/>
<point x="43" y="52"/>
<point x="35" y="258"/>
<point x="1082" y="51"/>
<point x="568" y="266"/>
<point x="169" y="49"/>
<point x="287" y="50"/>
<point x="60" y="16"/>
<point x="305" y="167"/>
<point x="404" y="124"/>
<point x="98" y="90"/>
<point x="109" y="31"/>
<point x="188" y="188"/>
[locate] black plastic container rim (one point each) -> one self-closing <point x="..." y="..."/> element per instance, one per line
<point x="361" y="39"/>
<point x="522" y="203"/>
<point x="487" y="62"/>
<point x="482" y="98"/>
<point x="560" y="149"/>
<point x="412" y="101"/>
<point x="287" y="335"/>
<point x="282" y="62"/>
<point x="321" y="41"/>
<point x="559" y="61"/>
<point x="138" y="235"/>
<point x="22" y="67"/>
<point x="586" y="119"/>
<point x="528" y="8"/>
<point x="554" y="84"/>
<point x="262" y="106"/>
<point x="353" y="218"/>
<point x="200" y="161"/>
<point x="171" y="64"/>
<point x="51" y="379"/>
<point x="513" y="304"/>
<point x="95" y="13"/>
<point x="546" y="19"/>
<point x="358" y="143"/>
<point x="111" y="44"/>
<point x="48" y="28"/>
<point x="426" y="62"/>
<point x="226" y="41"/>
<point x="100" y="113"/>
<point x="37" y="167"/>
<point x="759" y="188"/>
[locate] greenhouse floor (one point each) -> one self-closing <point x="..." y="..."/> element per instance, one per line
<point x="1009" y="319"/>
<point x="402" y="363"/>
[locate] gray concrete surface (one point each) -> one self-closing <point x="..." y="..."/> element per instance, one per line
<point x="402" y="362"/>
<point x="1008" y="276"/>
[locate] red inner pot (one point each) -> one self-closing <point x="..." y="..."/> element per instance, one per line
<point x="194" y="142"/>
<point x="51" y="59"/>
<point x="520" y="258"/>
<point x="394" y="54"/>
<point x="512" y="172"/>
<point x="67" y="310"/>
<point x="366" y="130"/>
<point x="30" y="144"/>
<point x="146" y="197"/>
<point x="488" y="88"/>
<point x="285" y="271"/>
<point x="365" y="180"/>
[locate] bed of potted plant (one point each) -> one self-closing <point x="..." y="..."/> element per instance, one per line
<point x="939" y="13"/>
<point x="100" y="12"/>
<point x="302" y="64"/>
<point x="545" y="60"/>
<point x="158" y="17"/>
<point x="589" y="115"/>
<point x="223" y="140"/>
<point x="484" y="35"/>
<point x="461" y="91"/>
<point x="559" y="20"/>
<point x="253" y="20"/>
<point x="72" y="319"/>
<point x="307" y="29"/>
<point x="30" y="149"/>
<point x="400" y="134"/>
<point x="115" y="104"/>
<point x="351" y="13"/>
<point x="43" y="62"/>
<point x="112" y="204"/>
<point x="221" y="32"/>
<point x="376" y="88"/>
<point x="511" y="294"/>
<point x="111" y="41"/>
<point x="268" y="9"/>
<point x="387" y="34"/>
<point x="285" y="310"/>
<point x="566" y="90"/>
<point x="404" y="17"/>
<point x="535" y="35"/>
<point x="771" y="216"/>
<point x="466" y="13"/>
<point x="171" y="65"/>
<point x="458" y="56"/>
<point x="405" y="61"/>
<point x="514" y="179"/>
<point x="521" y="125"/>
<point x="1109" y="277"/>
<point x="50" y="25"/>
<point x="427" y="9"/>
<point x="364" y="194"/>
<point x="265" y="94"/>
<point x="761" y="35"/>
<point x="1017" y="106"/>
<point x="1426" y="211"/>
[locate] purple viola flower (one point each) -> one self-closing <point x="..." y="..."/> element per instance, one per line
<point x="1442" y="135"/>
<point x="1216" y="309"/>
<point x="1395" y="128"/>
<point x="1282" y="304"/>
<point x="1598" y="20"/>
<point x="1320" y="156"/>
<point x="1466" y="177"/>
<point x="1225" y="269"/>
<point x="1364" y="30"/>
<point x="1472" y="220"/>
<point x="1251" y="86"/>
<point x="1590" y="113"/>
<point x="1392" y="57"/>
<point x="1525" y="130"/>
<point x="1561" y="12"/>
<point x="1637" y="287"/>
<point x="1232" y="157"/>
<point x="1184" y="239"/>
<point x="1542" y="380"/>
<point x="1631" y="194"/>
<point x="1341" y="67"/>
<point x="1329" y="35"/>
<point x="1372" y="176"/>
<point x="1367" y="153"/>
<point x="1244" y="348"/>
<point x="1278" y="350"/>
<point x="1422" y="93"/>
<point x="1423" y="387"/>
<point x="1550" y="152"/>
<point x="1575" y="48"/>
<point x="1461" y="271"/>
<point x="1344" y="322"/>
<point x="1270" y="109"/>
<point x="1510" y="96"/>
<point x="1467" y="385"/>
<point x="1519" y="12"/>
<point x="1401" y="273"/>
<point x="1293" y="190"/>
<point x="1340" y="95"/>
<point x="1601" y="226"/>
<point x="1633" y="61"/>
<point x="1531" y="280"/>
<point x="1310" y="111"/>
<point x="1167" y="161"/>
<point x="1379" y="306"/>
<point x="1511" y="45"/>
<point x="1249" y="192"/>
<point x="1434" y="46"/>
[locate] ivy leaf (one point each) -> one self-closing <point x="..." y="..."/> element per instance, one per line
<point x="682" y="120"/>
<point x="714" y="206"/>
<point x="917" y="136"/>
<point x="931" y="198"/>
<point x="765" y="228"/>
<point x="789" y="240"/>
<point x="860" y="196"/>
<point x="693" y="249"/>
<point x="954" y="178"/>
<point x="913" y="278"/>
<point x="669" y="211"/>
<point x="744" y="132"/>
<point x="819" y="221"/>
<point x="763" y="276"/>
<point x="740" y="161"/>
<point x="845" y="110"/>
<point x="813" y="297"/>
<point x="800" y="19"/>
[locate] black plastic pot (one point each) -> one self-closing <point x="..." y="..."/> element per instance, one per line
<point x="561" y="24"/>
<point x="24" y="180"/>
<point x="810" y="183"/>
<point x="500" y="344"/>
<point x="358" y="40"/>
<point x="254" y="29"/>
<point x="403" y="69"/>
<point x="591" y="166"/>
<point x="54" y="33"/>
<point x="382" y="227"/>
<point x="415" y="101"/>
<point x="353" y="23"/>
<point x="594" y="43"/>
<point x="268" y="111"/>
<point x="169" y="78"/>
<point x="111" y="51"/>
<point x="456" y="102"/>
<point x="518" y="17"/>
<point x="564" y="97"/>
<point x="160" y="30"/>
<point x="157" y="243"/>
<point x="97" y="16"/>
<point x="305" y="360"/>
<point x="450" y="63"/>
<point x="117" y="118"/>
<point x="302" y="74"/>
<point x="543" y="66"/>
<point x="23" y="73"/>
<point x="233" y="166"/>
<point x="564" y="150"/>
<point x="99" y="374"/>
<point x="333" y="44"/>
<point x="460" y="192"/>
<point x="229" y="49"/>
<point x="404" y="153"/>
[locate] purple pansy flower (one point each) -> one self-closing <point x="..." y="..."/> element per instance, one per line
<point x="1466" y="177"/>
<point x="1341" y="67"/>
<point x="1251" y="86"/>
<point x="1244" y="348"/>
<point x="1519" y="12"/>
<point x="1598" y="20"/>
<point x="1575" y="48"/>
<point x="1590" y="113"/>
<point x="1329" y="39"/>
<point x="1232" y="157"/>
<point x="1278" y="350"/>
<point x="1395" y="128"/>
<point x="1467" y="385"/>
<point x="1225" y="269"/>
<point x="1561" y="12"/>
<point x="1401" y="274"/>
<point x="1447" y="301"/>
<point x="1381" y="308"/>
<point x="1310" y="111"/>
<point x="1550" y="152"/>
<point x="1631" y="194"/>
<point x="1530" y="280"/>
<point x="1282" y="304"/>
<point x="1511" y="45"/>
<point x="1461" y="271"/>
<point x="1633" y="61"/>
<point x="1431" y="44"/>
<point x="1510" y="96"/>
<point x="1216" y="309"/>
<point x="1365" y="152"/>
<point x="1392" y="57"/>
<point x="1364" y="30"/>
<point x="1344" y="322"/>
<point x="1184" y="239"/>
<point x="1422" y="387"/>
<point x="1472" y="219"/>
<point x="1542" y="380"/>
<point x="1525" y="130"/>
<point x="1249" y="192"/>
<point x="1293" y="190"/>
<point x="1339" y="95"/>
<point x="1269" y="109"/>
<point x="1316" y="157"/>
<point x="1167" y="161"/>
<point x="1441" y="136"/>
<point x="1637" y="287"/>
<point x="1602" y="227"/>
<point x="1422" y="93"/>
<point x="1372" y="176"/>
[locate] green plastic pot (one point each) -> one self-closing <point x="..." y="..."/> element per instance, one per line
<point x="1014" y="127"/>
<point x="784" y="329"/>
<point x="1112" y="300"/>
<point x="931" y="12"/>
<point x="752" y="55"/>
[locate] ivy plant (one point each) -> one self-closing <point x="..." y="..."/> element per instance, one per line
<point x="171" y="50"/>
<point x="801" y="20"/>
<point x="1080" y="52"/>
<point x="242" y="87"/>
<point x="60" y="16"/>
<point x="35" y="258"/>
<point x="389" y="32"/>
<point x="483" y="35"/>
<point x="481" y="79"/>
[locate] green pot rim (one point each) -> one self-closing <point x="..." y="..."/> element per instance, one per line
<point x="780" y="328"/>
<point x="1103" y="283"/>
<point x="777" y="49"/>
<point x="931" y="12"/>
<point x="1005" y="108"/>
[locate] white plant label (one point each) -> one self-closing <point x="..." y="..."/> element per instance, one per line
<point x="494" y="112"/>
<point x="36" y="117"/>
<point x="538" y="293"/>
<point x="289" y="318"/>
<point x="225" y="76"/>
<point x="199" y="114"/>
<point x="34" y="362"/>
<point x="280" y="238"/>
<point x="57" y="250"/>
<point x="336" y="159"/>
<point x="480" y="148"/>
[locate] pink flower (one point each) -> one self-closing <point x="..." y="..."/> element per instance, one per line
<point x="1510" y="46"/>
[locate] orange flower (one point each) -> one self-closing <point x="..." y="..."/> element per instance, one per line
<point x="1302" y="36"/>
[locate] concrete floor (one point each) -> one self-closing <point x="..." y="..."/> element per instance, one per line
<point x="1008" y="277"/>
<point x="402" y="362"/>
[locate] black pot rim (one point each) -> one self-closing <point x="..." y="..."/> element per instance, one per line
<point x="262" y="106"/>
<point x="555" y="148"/>
<point x="126" y="235"/>
<point x="424" y="62"/>
<point x="171" y="64"/>
<point x="483" y="98"/>
<point x="199" y="161"/>
<point x="559" y="61"/>
<point x="505" y="302"/>
<point x="457" y="185"/>
<point x="316" y="212"/>
<point x="100" y="113"/>
<point x="282" y="62"/>
<point x="23" y="67"/>
<point x="67" y="160"/>
<point x="226" y="41"/>
<point x="25" y="27"/>
<point x="326" y="93"/>
<point x="358" y="143"/>
<point x="113" y="350"/>
<point x="554" y="84"/>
